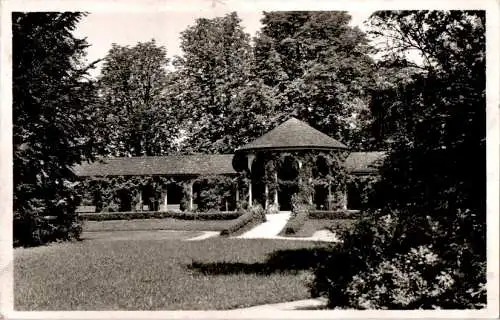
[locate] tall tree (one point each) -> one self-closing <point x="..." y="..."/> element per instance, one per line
<point x="426" y="248"/>
<point x="320" y="68"/>
<point x="440" y="113"/>
<point x="214" y="69"/>
<point x="136" y="116"/>
<point x="53" y="121"/>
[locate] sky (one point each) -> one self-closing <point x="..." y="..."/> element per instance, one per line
<point x="128" y="28"/>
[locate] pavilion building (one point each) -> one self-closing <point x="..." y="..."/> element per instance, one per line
<point x="267" y="171"/>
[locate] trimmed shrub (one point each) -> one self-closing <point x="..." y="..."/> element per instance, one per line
<point x="296" y="221"/>
<point x="241" y="222"/>
<point x="161" y="215"/>
<point x="254" y="216"/>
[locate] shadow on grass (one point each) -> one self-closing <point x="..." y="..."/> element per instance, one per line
<point x="281" y="261"/>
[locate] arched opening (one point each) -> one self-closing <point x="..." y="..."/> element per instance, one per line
<point x="174" y="196"/>
<point x="321" y="169"/>
<point x="287" y="176"/>
<point x="97" y="200"/>
<point x="353" y="197"/>
<point x="258" y="182"/>
<point x="321" y="197"/>
<point x="149" y="198"/>
<point x="125" y="200"/>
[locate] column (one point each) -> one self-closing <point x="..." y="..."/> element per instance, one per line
<point x="276" y="189"/>
<point x="190" y="195"/>
<point x="237" y="196"/>
<point x="250" y="192"/>
<point x="165" y="201"/>
<point x="313" y="190"/>
<point x="344" y="204"/>
<point x="140" y="200"/>
<point x="329" y="199"/>
<point x="250" y="159"/>
<point x="267" y="196"/>
<point x="300" y="168"/>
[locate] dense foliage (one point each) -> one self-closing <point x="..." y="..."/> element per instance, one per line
<point x="209" y="79"/>
<point x="134" y="115"/>
<point x="216" y="192"/>
<point x="320" y="70"/>
<point x="312" y="65"/>
<point x="426" y="248"/>
<point x="53" y="124"/>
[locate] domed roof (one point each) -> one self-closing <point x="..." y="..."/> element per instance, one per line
<point x="293" y="134"/>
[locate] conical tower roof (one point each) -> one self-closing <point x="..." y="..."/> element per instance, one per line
<point x="295" y="135"/>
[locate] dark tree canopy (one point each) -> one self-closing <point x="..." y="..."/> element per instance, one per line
<point x="426" y="247"/>
<point x="53" y="121"/>
<point x="439" y="115"/>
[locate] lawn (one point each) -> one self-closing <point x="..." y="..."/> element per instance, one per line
<point x="157" y="224"/>
<point x="163" y="274"/>
<point x="313" y="225"/>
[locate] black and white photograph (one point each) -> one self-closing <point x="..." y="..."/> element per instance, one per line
<point x="250" y="160"/>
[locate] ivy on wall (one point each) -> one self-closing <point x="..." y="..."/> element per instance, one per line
<point x="122" y="193"/>
<point x="332" y="177"/>
<point x="303" y="173"/>
<point x="215" y="192"/>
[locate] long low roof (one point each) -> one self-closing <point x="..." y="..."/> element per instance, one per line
<point x="201" y="164"/>
<point x="186" y="165"/>
<point x="365" y="162"/>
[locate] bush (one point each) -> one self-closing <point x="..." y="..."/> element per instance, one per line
<point x="258" y="212"/>
<point x="272" y="208"/>
<point x="32" y="224"/>
<point x="161" y="215"/>
<point x="389" y="262"/>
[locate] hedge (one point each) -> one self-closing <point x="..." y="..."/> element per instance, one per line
<point x="253" y="216"/>
<point x="230" y="215"/>
<point x="296" y="221"/>
<point x="334" y="214"/>
<point x="239" y="223"/>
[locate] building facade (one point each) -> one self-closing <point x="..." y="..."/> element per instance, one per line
<point x="292" y="159"/>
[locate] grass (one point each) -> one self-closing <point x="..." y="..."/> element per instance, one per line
<point x="312" y="225"/>
<point x="163" y="274"/>
<point x="157" y="224"/>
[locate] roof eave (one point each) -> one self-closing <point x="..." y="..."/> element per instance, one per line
<point x="257" y="148"/>
<point x="184" y="175"/>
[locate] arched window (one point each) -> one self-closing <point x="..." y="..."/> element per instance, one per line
<point x="288" y="169"/>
